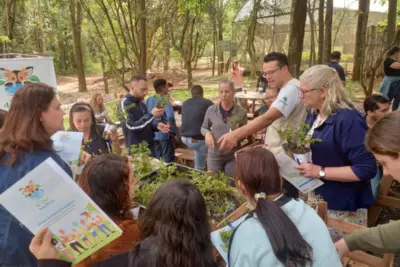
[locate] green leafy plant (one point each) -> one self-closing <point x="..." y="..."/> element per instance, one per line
<point x="220" y="198"/>
<point x="141" y="159"/>
<point x="237" y="119"/>
<point x="225" y="237"/>
<point x="161" y="100"/>
<point x="296" y="139"/>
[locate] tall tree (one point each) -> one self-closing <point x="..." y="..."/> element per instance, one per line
<point x="391" y="24"/>
<point x="321" y="8"/>
<point x="142" y="36"/>
<point x="76" y="22"/>
<point x="296" y="38"/>
<point x="363" y="12"/>
<point x="251" y="30"/>
<point x="311" y="11"/>
<point x="41" y="28"/>
<point x="328" y="30"/>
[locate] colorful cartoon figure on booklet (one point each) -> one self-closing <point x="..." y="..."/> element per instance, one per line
<point x="97" y="221"/>
<point x="91" y="229"/>
<point x="15" y="79"/>
<point x="32" y="191"/>
<point x="70" y="239"/>
<point x="60" y="247"/>
<point x="82" y="237"/>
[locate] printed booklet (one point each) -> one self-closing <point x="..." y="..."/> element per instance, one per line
<point x="48" y="197"/>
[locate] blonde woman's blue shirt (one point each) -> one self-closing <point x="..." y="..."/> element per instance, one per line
<point x="251" y="247"/>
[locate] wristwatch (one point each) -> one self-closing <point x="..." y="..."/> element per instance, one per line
<point x="322" y="173"/>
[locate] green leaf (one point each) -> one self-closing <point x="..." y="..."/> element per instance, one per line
<point x="34" y="78"/>
<point x="2" y="82"/>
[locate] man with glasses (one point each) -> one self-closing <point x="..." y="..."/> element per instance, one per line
<point x="287" y="110"/>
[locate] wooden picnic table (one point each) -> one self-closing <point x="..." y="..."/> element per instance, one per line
<point x="250" y="96"/>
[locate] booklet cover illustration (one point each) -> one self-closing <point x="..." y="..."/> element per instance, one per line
<point x="48" y="197"/>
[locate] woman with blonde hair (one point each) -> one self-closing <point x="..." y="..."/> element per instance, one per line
<point x="99" y="109"/>
<point x="384" y="142"/>
<point x="340" y="158"/>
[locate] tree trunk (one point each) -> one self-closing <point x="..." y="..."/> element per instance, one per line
<point x="220" y="52"/>
<point x="42" y="37"/>
<point x="214" y="46"/>
<point x="297" y="27"/>
<point x="103" y="69"/>
<point x="391" y="25"/>
<point x="142" y="38"/>
<point x="166" y="46"/>
<point x="63" y="56"/>
<point x="311" y="7"/>
<point x="328" y="31"/>
<point x="76" y="20"/>
<point x="10" y="10"/>
<point x="321" y="9"/>
<point x="189" y="74"/>
<point x="363" y="12"/>
<point x="250" y="37"/>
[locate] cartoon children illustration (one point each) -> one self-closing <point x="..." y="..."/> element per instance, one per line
<point x="97" y="221"/>
<point x="62" y="249"/>
<point x="70" y="239"/>
<point x="32" y="191"/>
<point x="82" y="237"/>
<point x="90" y="229"/>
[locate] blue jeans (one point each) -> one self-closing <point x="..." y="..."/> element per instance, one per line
<point x="394" y="94"/>
<point x="375" y="183"/>
<point x="200" y="151"/>
<point x="164" y="149"/>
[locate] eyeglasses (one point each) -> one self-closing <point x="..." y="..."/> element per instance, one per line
<point x="271" y="72"/>
<point x="304" y="92"/>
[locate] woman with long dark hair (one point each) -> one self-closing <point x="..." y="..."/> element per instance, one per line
<point x="175" y="232"/>
<point x="35" y="115"/>
<point x="82" y="119"/>
<point x="281" y="231"/>
<point x="109" y="181"/>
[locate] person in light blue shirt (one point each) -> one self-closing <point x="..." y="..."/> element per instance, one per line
<point x="163" y="142"/>
<point x="280" y="231"/>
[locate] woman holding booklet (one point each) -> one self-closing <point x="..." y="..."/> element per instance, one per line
<point x="280" y="231"/>
<point x="175" y="231"/>
<point x="339" y="157"/>
<point x="34" y="116"/>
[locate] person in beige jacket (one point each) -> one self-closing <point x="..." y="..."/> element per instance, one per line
<point x="384" y="142"/>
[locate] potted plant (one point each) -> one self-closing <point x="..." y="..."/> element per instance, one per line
<point x="236" y="120"/>
<point x="297" y="142"/>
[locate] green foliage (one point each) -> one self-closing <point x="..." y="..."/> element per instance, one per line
<point x="4" y="39"/>
<point x="226" y="237"/>
<point x="161" y="100"/>
<point x="218" y="195"/>
<point x="296" y="139"/>
<point x="141" y="159"/>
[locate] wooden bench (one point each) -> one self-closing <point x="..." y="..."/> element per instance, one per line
<point x="386" y="197"/>
<point x="184" y="155"/>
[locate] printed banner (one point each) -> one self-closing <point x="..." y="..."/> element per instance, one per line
<point x="16" y="72"/>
